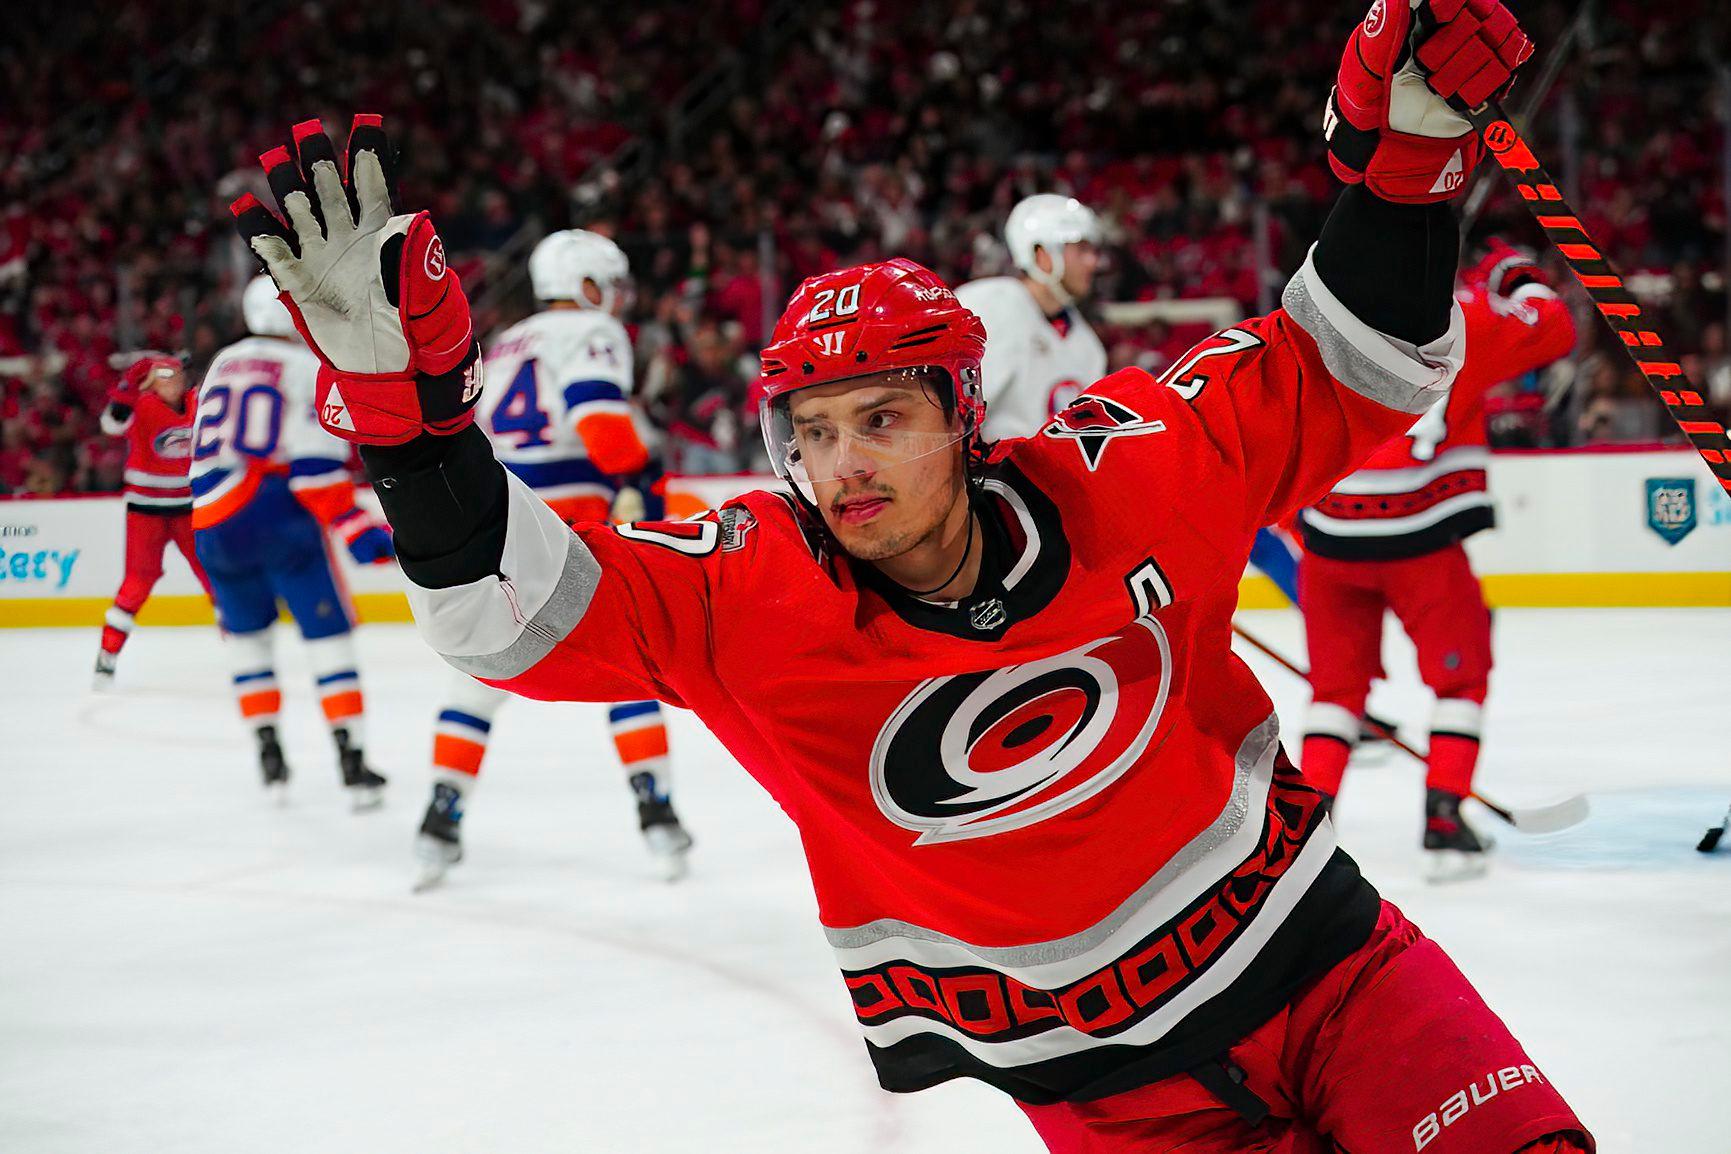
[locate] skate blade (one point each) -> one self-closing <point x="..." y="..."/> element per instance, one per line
<point x="1448" y="866"/>
<point x="276" y="792"/>
<point x="672" y="867"/>
<point x="436" y="858"/>
<point x="363" y="798"/>
<point x="431" y="877"/>
<point x="668" y="846"/>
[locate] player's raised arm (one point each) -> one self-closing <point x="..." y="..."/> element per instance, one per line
<point x="1368" y="336"/>
<point x="500" y="580"/>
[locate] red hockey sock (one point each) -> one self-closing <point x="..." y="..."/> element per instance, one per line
<point x="1452" y="758"/>
<point x="1324" y="762"/>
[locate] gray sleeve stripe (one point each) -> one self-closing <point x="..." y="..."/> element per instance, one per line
<point x="1389" y="372"/>
<point x="564" y="608"/>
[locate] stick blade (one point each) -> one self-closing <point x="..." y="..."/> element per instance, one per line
<point x="1551" y="818"/>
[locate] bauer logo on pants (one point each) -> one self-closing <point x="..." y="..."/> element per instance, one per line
<point x="1671" y="507"/>
<point x="977" y="754"/>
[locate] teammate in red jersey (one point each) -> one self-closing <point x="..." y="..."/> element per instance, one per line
<point x="151" y="408"/>
<point x="1054" y="842"/>
<point x="1390" y="537"/>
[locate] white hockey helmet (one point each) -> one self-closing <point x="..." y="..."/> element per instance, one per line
<point x="562" y="261"/>
<point x="1049" y="221"/>
<point x="265" y="315"/>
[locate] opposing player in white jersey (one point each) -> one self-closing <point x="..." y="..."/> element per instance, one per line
<point x="556" y="407"/>
<point x="267" y="481"/>
<point x="1040" y="352"/>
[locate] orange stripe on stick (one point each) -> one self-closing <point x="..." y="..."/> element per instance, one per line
<point x="1700" y="428"/>
<point x="1579" y="251"/>
<point x="1568" y="222"/>
<point x="1666" y="369"/>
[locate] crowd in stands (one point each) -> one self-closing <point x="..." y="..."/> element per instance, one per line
<point x="878" y="127"/>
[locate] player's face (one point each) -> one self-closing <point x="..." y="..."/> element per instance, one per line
<point x="171" y="387"/>
<point x="1081" y="261"/>
<point x="885" y="461"/>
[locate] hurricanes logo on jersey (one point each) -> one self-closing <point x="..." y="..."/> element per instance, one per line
<point x="977" y="754"/>
<point x="1092" y="422"/>
<point x="174" y="443"/>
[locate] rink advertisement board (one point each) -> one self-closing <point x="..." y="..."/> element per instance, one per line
<point x="1574" y="528"/>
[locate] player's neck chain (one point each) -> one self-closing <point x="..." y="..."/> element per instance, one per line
<point x="967" y="551"/>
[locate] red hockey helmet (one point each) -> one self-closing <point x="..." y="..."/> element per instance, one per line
<point x="866" y="321"/>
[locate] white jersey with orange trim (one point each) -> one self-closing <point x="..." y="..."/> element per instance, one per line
<point x="256" y="429"/>
<point x="556" y="407"/>
<point x="1034" y="365"/>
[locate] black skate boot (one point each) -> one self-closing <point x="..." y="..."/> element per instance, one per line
<point x="272" y="765"/>
<point x="439" y="845"/>
<point x="104" y="678"/>
<point x="1455" y="850"/>
<point x="366" y="788"/>
<point x="667" y="840"/>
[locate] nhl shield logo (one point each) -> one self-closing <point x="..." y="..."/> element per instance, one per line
<point x="1093" y="421"/>
<point x="1671" y="507"/>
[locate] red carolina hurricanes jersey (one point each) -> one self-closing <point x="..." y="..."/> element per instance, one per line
<point x="1428" y="489"/>
<point x="158" y="454"/>
<point x="1054" y="842"/>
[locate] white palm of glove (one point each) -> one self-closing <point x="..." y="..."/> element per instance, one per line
<point x="337" y="281"/>
<point x="1412" y="106"/>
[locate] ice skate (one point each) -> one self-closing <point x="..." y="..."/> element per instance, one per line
<point x="104" y="677"/>
<point x="439" y="845"/>
<point x="669" y="844"/>
<point x="366" y="788"/>
<point x="272" y="765"/>
<point x="1453" y="849"/>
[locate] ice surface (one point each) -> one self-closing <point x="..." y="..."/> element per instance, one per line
<point x="185" y="969"/>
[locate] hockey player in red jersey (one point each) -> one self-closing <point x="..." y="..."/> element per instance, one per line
<point x="1054" y="842"/>
<point x="1390" y="537"/>
<point x="152" y="409"/>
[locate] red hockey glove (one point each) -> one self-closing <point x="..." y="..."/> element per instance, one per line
<point x="1393" y="120"/>
<point x="1505" y="268"/>
<point x="369" y="291"/>
<point x="140" y="375"/>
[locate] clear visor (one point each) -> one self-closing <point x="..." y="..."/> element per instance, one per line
<point x="884" y="421"/>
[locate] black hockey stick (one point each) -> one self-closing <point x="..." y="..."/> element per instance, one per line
<point x="1550" y="818"/>
<point x="1605" y="285"/>
<point x="1710" y="840"/>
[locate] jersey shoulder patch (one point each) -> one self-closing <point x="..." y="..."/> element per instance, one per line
<point x="1096" y="417"/>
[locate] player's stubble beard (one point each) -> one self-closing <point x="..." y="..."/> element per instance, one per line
<point x="930" y="506"/>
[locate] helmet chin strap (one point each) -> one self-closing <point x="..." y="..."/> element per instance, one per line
<point x="1053" y="279"/>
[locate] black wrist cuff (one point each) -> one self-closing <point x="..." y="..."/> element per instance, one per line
<point x="445" y="498"/>
<point x="1392" y="265"/>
